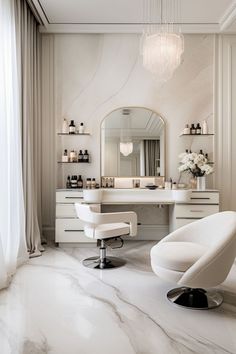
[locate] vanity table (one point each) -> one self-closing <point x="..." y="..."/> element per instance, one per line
<point x="183" y="208"/>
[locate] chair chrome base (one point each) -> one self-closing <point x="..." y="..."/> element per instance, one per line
<point x="107" y="263"/>
<point x="196" y="299"/>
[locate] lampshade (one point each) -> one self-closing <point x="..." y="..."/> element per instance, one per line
<point x="161" y="44"/>
<point x="126" y="148"/>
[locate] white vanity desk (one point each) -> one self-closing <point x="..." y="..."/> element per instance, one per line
<point x="184" y="207"/>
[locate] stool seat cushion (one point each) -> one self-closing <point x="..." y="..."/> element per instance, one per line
<point x="108" y="230"/>
<point x="177" y="256"/>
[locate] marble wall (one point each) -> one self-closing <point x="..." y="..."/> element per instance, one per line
<point x="92" y="75"/>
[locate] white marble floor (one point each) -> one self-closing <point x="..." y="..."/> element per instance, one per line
<point x="55" y="305"/>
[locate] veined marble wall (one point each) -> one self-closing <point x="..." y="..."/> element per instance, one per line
<point x="92" y="75"/>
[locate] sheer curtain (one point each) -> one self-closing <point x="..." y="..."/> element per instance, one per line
<point x="12" y="216"/>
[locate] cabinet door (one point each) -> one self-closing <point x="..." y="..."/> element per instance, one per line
<point x="65" y="211"/>
<point x="204" y="197"/>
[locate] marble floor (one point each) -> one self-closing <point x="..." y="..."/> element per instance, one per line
<point x="55" y="305"/>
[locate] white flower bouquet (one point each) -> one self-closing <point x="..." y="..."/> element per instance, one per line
<point x="194" y="163"/>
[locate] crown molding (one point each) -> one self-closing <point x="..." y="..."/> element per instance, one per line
<point x="122" y="28"/>
<point x="228" y="18"/>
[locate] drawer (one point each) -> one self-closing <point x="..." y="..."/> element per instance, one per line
<point x="204" y="197"/>
<point x="195" y="211"/>
<point x="69" y="197"/>
<point x="181" y="222"/>
<point x="71" y="230"/>
<point x="65" y="211"/>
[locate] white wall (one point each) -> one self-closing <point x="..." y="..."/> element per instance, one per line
<point x="225" y="108"/>
<point x="91" y="75"/>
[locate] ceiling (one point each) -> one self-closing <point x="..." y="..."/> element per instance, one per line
<point x="126" y="16"/>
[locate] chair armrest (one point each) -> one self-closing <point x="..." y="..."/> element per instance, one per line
<point x="111" y="218"/>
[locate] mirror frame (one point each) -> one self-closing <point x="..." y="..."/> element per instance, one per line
<point x="132" y="107"/>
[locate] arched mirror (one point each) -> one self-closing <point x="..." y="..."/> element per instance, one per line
<point x="133" y="143"/>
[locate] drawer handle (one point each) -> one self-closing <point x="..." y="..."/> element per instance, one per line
<point x="196" y="211"/>
<point x="200" y="198"/>
<point x="73" y="230"/>
<point x="74" y="197"/>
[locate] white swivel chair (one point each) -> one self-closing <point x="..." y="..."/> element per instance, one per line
<point x="197" y="256"/>
<point x="106" y="227"/>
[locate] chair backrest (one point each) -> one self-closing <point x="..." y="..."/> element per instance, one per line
<point x="86" y="214"/>
<point x="218" y="233"/>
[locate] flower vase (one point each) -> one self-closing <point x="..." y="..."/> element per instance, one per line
<point x="201" y="183"/>
<point x="193" y="183"/>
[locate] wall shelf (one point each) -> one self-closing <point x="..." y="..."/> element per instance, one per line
<point x="76" y="134"/>
<point x="72" y="162"/>
<point x="194" y="135"/>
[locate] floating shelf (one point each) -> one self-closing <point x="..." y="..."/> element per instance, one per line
<point x="76" y="134"/>
<point x="194" y="135"/>
<point x="73" y="162"/>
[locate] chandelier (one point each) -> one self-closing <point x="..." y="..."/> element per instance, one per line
<point x="162" y="44"/>
<point x="126" y="144"/>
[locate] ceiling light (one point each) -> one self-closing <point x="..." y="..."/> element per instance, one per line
<point x="162" y="43"/>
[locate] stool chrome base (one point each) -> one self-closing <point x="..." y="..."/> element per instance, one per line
<point x="196" y="299"/>
<point x="107" y="263"/>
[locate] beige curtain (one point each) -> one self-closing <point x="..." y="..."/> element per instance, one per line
<point x="29" y="42"/>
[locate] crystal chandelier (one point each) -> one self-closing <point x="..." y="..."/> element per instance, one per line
<point x="126" y="148"/>
<point x="162" y="44"/>
<point x="126" y="144"/>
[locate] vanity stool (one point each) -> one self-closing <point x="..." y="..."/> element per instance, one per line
<point x="106" y="227"/>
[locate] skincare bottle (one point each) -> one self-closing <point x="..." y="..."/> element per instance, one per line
<point x="174" y="185"/>
<point x="198" y="129"/>
<point x="192" y="129"/>
<point x="80" y="182"/>
<point x="68" y="184"/>
<point x="74" y="182"/>
<point x="86" y="156"/>
<point x="72" y="127"/>
<point x="88" y="183"/>
<point x="65" y="157"/>
<point x="73" y="156"/>
<point x="186" y="129"/>
<point x="65" y="128"/>
<point x="81" y="128"/>
<point x="80" y="156"/>
<point x="93" y="183"/>
<point x="204" y="127"/>
<point x="201" y="152"/>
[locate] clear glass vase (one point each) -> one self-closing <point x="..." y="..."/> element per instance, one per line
<point x="201" y="183"/>
<point x="193" y="182"/>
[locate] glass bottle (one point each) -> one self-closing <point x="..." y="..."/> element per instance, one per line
<point x="74" y="183"/>
<point x="88" y="183"/>
<point x="80" y="182"/>
<point x="86" y="156"/>
<point x="81" y="156"/>
<point x="65" y="127"/>
<point x="192" y="129"/>
<point x="93" y="183"/>
<point x="72" y="127"/>
<point x="65" y="157"/>
<point x="68" y="184"/>
<point x="198" y="129"/>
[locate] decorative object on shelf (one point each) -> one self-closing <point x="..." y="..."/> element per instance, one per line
<point x="73" y="156"/>
<point x="192" y="129"/>
<point x="65" y="127"/>
<point x="186" y="129"/>
<point x="68" y="183"/>
<point x="162" y="43"/>
<point x="136" y="183"/>
<point x="65" y="157"/>
<point x="151" y="186"/>
<point x="72" y="127"/>
<point x="80" y="182"/>
<point x="81" y="128"/>
<point x="198" y="129"/>
<point x="195" y="164"/>
<point x="85" y="156"/>
<point x="204" y="127"/>
<point x="201" y="183"/>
